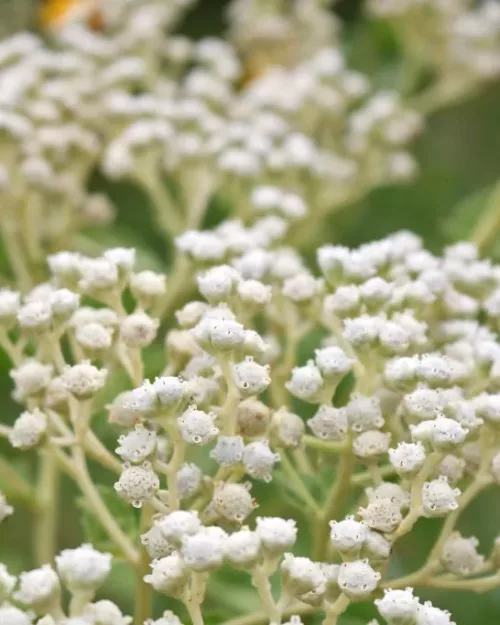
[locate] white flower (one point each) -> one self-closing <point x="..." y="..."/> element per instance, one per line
<point x="137" y="484"/>
<point x="138" y="445"/>
<point x="39" y="588"/>
<point x="28" y="429"/>
<point x="276" y="534"/>
<point x="177" y="524"/>
<point x="357" y="579"/>
<point x="83" y="568"/>
<point x="398" y="606"/>
<point x="204" y="550"/>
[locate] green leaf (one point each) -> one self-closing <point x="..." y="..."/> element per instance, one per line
<point x="465" y="215"/>
<point x="121" y="511"/>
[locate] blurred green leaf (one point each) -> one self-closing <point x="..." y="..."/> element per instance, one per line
<point x="464" y="217"/>
<point x="121" y="511"/>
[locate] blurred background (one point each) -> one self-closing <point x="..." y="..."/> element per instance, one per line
<point x="459" y="157"/>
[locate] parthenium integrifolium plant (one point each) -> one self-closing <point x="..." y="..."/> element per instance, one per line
<point x="415" y="433"/>
<point x="274" y="103"/>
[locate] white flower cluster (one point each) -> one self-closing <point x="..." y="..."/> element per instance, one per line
<point x="459" y="42"/>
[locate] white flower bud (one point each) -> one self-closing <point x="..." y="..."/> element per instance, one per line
<point x="362" y="331"/>
<point x="138" y="330"/>
<point x="344" y="302"/>
<point x="329" y="423"/>
<point x="147" y="287"/>
<point x="276" y="534"/>
<point x="254" y="293"/>
<point x="423" y="403"/>
<point x="189" y="480"/>
<point x="488" y="407"/>
<point x="31" y="378"/>
<point x="169" y="575"/>
<point x="252" y="417"/>
<point x="196" y="426"/>
<point x="301" y="288"/>
<point x="375" y="292"/>
<point x="447" y="433"/>
<point x="218" y="283"/>
<point x="64" y="302"/>
<point x="83" y="380"/>
<point x="383" y="515"/>
<point x="452" y="467"/>
<point x="83" y="568"/>
<point x="142" y="401"/>
<point x="259" y="460"/>
<point x="422" y="432"/>
<point x="97" y="275"/>
<point x="10" y="302"/>
<point x="39" y="588"/>
<point x="204" y="551"/>
<point x="10" y="615"/>
<point x="438" y="498"/>
<point x="333" y="362"/>
<point x="65" y="266"/>
<point x="429" y="615"/>
<point x="94" y="337"/>
<point x="191" y="314"/>
<point x="407" y="458"/>
<point x="105" y="613"/>
<point x="171" y="390"/>
<point x="460" y="556"/>
<point x="376" y="547"/>
<point x="287" y="429"/>
<point x="371" y="444"/>
<point x="439" y="371"/>
<point x="348" y="536"/>
<point x="398" y="606"/>
<point x="168" y="618"/>
<point x="5" y="509"/>
<point x="138" y="445"/>
<point x="400" y="373"/>
<point x="393" y="338"/>
<point x="364" y="413"/>
<point x="392" y="491"/>
<point x="243" y="549"/>
<point x="177" y="524"/>
<point x="233" y="501"/>
<point x="228" y="451"/>
<point x="104" y="316"/>
<point x="357" y="579"/>
<point x="155" y="543"/>
<point x="35" y="316"/>
<point x="250" y="378"/>
<point x="202" y="247"/>
<point x="123" y="258"/>
<point x="137" y="484"/>
<point x="301" y="575"/>
<point x="306" y="382"/>
<point x="28" y="429"/>
<point x="7" y="583"/>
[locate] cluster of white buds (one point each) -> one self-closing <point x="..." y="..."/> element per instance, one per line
<point x="467" y="37"/>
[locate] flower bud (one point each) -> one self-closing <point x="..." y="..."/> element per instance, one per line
<point x="31" y="378"/>
<point x="287" y="429"/>
<point x="138" y="445"/>
<point x="259" y="460"/>
<point x="459" y="555"/>
<point x="398" y="606"/>
<point x="197" y="427"/>
<point x="301" y="575"/>
<point x="383" y="515"/>
<point x="329" y="423"/>
<point x="105" y="613"/>
<point x="233" y="501"/>
<point x="348" y="536"/>
<point x="252" y="417"/>
<point x="407" y="458"/>
<point x="357" y="579"/>
<point x="228" y="450"/>
<point x="243" y="549"/>
<point x="155" y="544"/>
<point x="189" y="480"/>
<point x="438" y="498"/>
<point x="40" y="589"/>
<point x="83" y="569"/>
<point x="137" y="484"/>
<point x="169" y="576"/>
<point x="177" y="524"/>
<point x="250" y="378"/>
<point x="10" y="615"/>
<point x="204" y="551"/>
<point x="276" y="534"/>
<point x="306" y="383"/>
<point x="138" y="330"/>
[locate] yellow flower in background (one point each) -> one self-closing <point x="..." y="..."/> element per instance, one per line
<point x="53" y="14"/>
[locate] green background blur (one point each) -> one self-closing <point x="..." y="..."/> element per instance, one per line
<point x="459" y="156"/>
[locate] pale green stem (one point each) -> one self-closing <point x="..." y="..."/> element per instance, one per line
<point x="334" y="503"/>
<point x="14" y="254"/>
<point x="261" y="618"/>
<point x="488" y="224"/>
<point x="365" y="477"/>
<point x="261" y="582"/>
<point x="175" y="463"/>
<point x="227" y="412"/>
<point x="332" y="447"/>
<point x="143" y="591"/>
<point x="415" y="512"/>
<point x="78" y="602"/>
<point x="333" y="611"/>
<point x="195" y="597"/>
<point x="297" y="483"/>
<point x="77" y="469"/>
<point x="45" y="530"/>
<point x="16" y="487"/>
